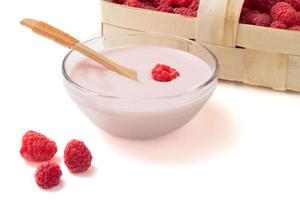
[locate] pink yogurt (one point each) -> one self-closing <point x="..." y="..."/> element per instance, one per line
<point x="144" y="108"/>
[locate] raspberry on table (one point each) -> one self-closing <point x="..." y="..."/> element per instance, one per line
<point x="285" y="13"/>
<point x="164" y="73"/>
<point x="278" y="24"/>
<point x="48" y="175"/>
<point x="77" y="156"/>
<point x="37" y="147"/>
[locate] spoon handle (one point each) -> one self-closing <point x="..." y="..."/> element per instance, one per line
<point x="70" y="42"/>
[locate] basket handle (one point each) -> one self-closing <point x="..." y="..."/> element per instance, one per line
<point x="217" y="21"/>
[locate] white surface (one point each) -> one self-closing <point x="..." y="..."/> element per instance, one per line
<point x="245" y="146"/>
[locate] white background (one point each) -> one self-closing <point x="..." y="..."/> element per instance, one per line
<point x="244" y="144"/>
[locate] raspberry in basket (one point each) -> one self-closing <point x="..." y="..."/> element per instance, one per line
<point x="164" y="73"/>
<point x="194" y="5"/>
<point x="285" y="13"/>
<point x="264" y="5"/>
<point x="278" y="24"/>
<point x="256" y="18"/>
<point x="185" y="11"/>
<point x="298" y="18"/>
<point x="295" y="28"/>
<point x="294" y="3"/>
<point x="37" y="147"/>
<point x="183" y="3"/>
<point x="165" y="8"/>
<point x="133" y="3"/>
<point x="248" y="4"/>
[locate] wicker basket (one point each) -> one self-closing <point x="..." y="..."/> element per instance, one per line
<point x="250" y="54"/>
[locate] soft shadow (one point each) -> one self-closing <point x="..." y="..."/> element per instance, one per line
<point x="210" y="133"/>
<point x="89" y="173"/>
<point x="55" y="159"/>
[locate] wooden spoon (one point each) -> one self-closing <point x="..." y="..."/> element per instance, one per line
<point x="70" y="42"/>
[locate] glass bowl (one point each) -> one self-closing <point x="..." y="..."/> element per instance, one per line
<point x="141" y="118"/>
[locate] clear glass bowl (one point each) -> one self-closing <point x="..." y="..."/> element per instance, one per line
<point x="140" y="118"/>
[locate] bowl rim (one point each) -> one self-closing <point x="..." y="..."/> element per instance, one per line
<point x="189" y="91"/>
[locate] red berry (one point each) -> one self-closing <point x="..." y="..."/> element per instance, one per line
<point x="170" y="3"/>
<point x="278" y="24"/>
<point x="298" y="18"/>
<point x="254" y="17"/>
<point x="285" y="13"/>
<point x="164" y="73"/>
<point x="148" y="7"/>
<point x="185" y="12"/>
<point x="264" y="5"/>
<point x="294" y="3"/>
<point x="165" y="8"/>
<point x="248" y="4"/>
<point x="133" y="3"/>
<point x="77" y="156"/>
<point x="183" y="3"/>
<point x="194" y="5"/>
<point x="48" y="175"/>
<point x="295" y="28"/>
<point x="243" y="12"/>
<point x="120" y="1"/>
<point x="37" y="147"/>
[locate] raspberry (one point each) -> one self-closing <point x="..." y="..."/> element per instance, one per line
<point x="48" y="175"/>
<point x="183" y="3"/>
<point x="295" y="28"/>
<point x="120" y="1"/>
<point x="77" y="156"/>
<point x="294" y="3"/>
<point x="278" y="24"/>
<point x="166" y="2"/>
<point x="164" y="73"/>
<point x="172" y="3"/>
<point x="248" y="4"/>
<point x="37" y="147"/>
<point x="244" y="11"/>
<point x="157" y="3"/>
<point x="264" y="5"/>
<point x="298" y="18"/>
<point x="133" y="3"/>
<point x="185" y="11"/>
<point x="165" y="8"/>
<point x="285" y="13"/>
<point x="194" y="5"/>
<point x="254" y="17"/>
<point x="148" y="7"/>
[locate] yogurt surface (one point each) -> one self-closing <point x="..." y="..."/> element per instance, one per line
<point x="92" y="76"/>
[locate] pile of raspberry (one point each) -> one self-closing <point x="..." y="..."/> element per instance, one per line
<point x="182" y="7"/>
<point x="281" y="14"/>
<point x="36" y="147"/>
